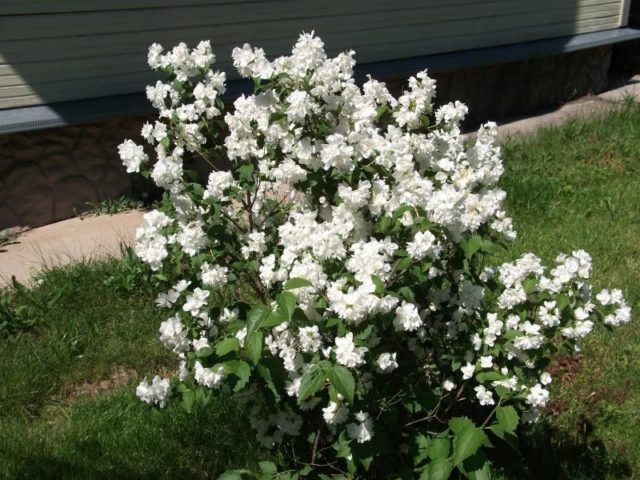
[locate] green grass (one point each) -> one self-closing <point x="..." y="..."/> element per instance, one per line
<point x="73" y="348"/>
<point x="67" y="383"/>
<point x="579" y="187"/>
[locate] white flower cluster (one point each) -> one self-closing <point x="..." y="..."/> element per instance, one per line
<point x="378" y="209"/>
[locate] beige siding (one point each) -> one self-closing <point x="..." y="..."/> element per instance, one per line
<point x="56" y="50"/>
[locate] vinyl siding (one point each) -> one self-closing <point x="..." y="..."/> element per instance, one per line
<point x="56" y="50"/>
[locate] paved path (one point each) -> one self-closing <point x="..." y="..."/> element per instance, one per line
<point x="95" y="237"/>
<point x="62" y="242"/>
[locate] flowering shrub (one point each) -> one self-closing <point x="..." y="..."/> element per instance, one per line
<point x="337" y="276"/>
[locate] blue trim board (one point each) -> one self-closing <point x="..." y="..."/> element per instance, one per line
<point x="119" y="106"/>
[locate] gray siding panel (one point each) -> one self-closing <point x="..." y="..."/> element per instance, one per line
<point x="52" y="51"/>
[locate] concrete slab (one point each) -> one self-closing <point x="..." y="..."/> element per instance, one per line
<point x="582" y="108"/>
<point x="63" y="242"/>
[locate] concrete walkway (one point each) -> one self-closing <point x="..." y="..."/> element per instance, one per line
<point x="62" y="242"/>
<point x="96" y="237"/>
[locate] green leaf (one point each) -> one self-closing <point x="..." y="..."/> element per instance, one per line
<point x="439" y="469"/>
<point x="268" y="468"/>
<point x="246" y="172"/>
<point x="294" y="283"/>
<point x="377" y="281"/>
<point x="253" y="346"/>
<point x="310" y="383"/>
<point x="267" y="375"/>
<point x="457" y="424"/>
<point x="562" y="301"/>
<point x="404" y="263"/>
<point x="530" y="285"/>
<point x="233" y="474"/>
<point x="342" y="380"/>
<point x="204" y="352"/>
<point x="256" y="316"/>
<point x="286" y="304"/>
<point x="240" y="369"/>
<point x="507" y="418"/>
<point x="227" y="345"/>
<point x="188" y="399"/>
<point x="472" y="245"/>
<point x="274" y="319"/>
<point x="439" y="448"/>
<point x="466" y="443"/>
<point x="477" y="467"/>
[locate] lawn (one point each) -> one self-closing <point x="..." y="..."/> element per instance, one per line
<point x="75" y="345"/>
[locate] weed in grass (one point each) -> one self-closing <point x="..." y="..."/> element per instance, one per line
<point x="111" y="206"/>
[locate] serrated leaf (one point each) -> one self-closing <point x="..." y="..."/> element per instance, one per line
<point x="294" y="283"/>
<point x="253" y="346"/>
<point x="227" y="345"/>
<point x="507" y="418"/>
<point x="457" y="424"/>
<point x="342" y="380"/>
<point x="439" y="469"/>
<point x="286" y="304"/>
<point x="466" y="443"/>
<point x="312" y="381"/>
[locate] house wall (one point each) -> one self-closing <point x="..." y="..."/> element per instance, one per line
<point x="57" y="50"/>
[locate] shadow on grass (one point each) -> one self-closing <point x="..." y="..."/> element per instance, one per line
<point x="550" y="453"/>
<point x="117" y="436"/>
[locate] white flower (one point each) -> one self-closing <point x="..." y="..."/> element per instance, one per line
<point x="448" y="385"/>
<point x="196" y="301"/>
<point x="166" y="300"/>
<point x="156" y="393"/>
<point x="174" y="334"/>
<point x="256" y="243"/>
<point x="484" y="396"/>
<point x="386" y="362"/>
<point x="363" y="431"/>
<point x="310" y="339"/>
<point x="219" y="182"/>
<point x="208" y="377"/>
<point x="423" y="244"/>
<point x="347" y="353"/>
<point x="192" y="237"/>
<point x="407" y="318"/>
<point x="486" y="361"/>
<point x="538" y="396"/>
<point x="213" y="276"/>
<point x="467" y="371"/>
<point x="132" y="155"/>
<point x="200" y="343"/>
<point x="335" y="414"/>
